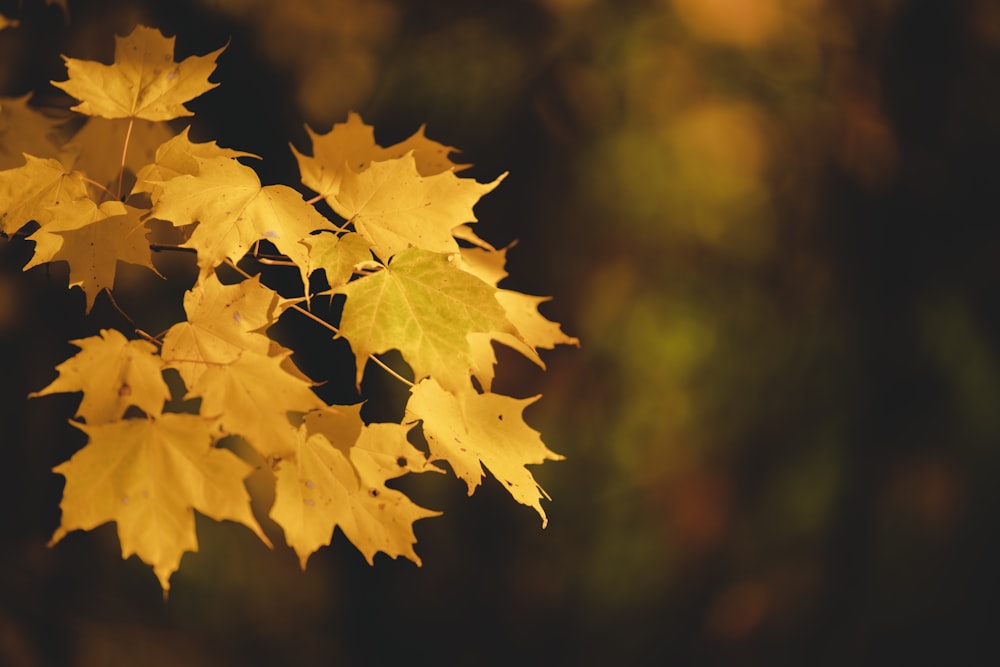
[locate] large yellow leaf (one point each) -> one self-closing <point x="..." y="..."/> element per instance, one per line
<point x="471" y="431"/>
<point x="255" y="397"/>
<point x="143" y="82"/>
<point x="222" y="322"/>
<point x="33" y="191"/>
<point x="394" y="207"/>
<point x="233" y="211"/>
<point x="425" y="307"/>
<point x="147" y="475"/>
<point x="113" y="373"/>
<point x="326" y="485"/>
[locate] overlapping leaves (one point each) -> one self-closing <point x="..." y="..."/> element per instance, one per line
<point x="411" y="274"/>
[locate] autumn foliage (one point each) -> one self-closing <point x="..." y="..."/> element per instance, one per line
<point x="159" y="410"/>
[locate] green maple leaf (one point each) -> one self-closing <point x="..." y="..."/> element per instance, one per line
<point x="472" y="431"/>
<point x="233" y="211"/>
<point x="113" y="373"/>
<point x="143" y="82"/>
<point x="148" y="475"/>
<point x="425" y="307"/>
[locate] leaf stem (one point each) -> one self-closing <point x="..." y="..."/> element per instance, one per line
<point x="98" y="185"/>
<point x="121" y="171"/>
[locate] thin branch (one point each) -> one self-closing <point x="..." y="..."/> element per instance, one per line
<point x="128" y="318"/>
<point x="315" y="200"/>
<point x="335" y="330"/>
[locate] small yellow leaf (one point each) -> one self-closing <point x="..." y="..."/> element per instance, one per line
<point x="33" y="190"/>
<point x="472" y="431"/>
<point x="222" y="322"/>
<point x="114" y="233"/>
<point x="113" y="373"/>
<point x="254" y="397"/>
<point x="326" y="485"/>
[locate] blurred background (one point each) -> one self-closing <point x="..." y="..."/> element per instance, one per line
<point x="773" y="226"/>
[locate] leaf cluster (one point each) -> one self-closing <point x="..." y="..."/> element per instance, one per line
<point x="396" y="246"/>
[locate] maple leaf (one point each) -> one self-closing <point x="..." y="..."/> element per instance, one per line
<point x="472" y="431"/>
<point x="253" y="396"/>
<point x="425" y="307"/>
<point x="234" y="211"/>
<point x="351" y="146"/>
<point x="179" y="156"/>
<point x="33" y="190"/>
<point x="115" y="234"/>
<point x="96" y="148"/>
<point x="222" y="322"/>
<point x="325" y="485"/>
<point x="148" y="475"/>
<point x="143" y="82"/>
<point x="24" y="129"/>
<point x="534" y="330"/>
<point x="114" y="374"/>
<point x="337" y="256"/>
<point x="396" y="208"/>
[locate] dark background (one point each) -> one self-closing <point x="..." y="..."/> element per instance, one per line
<point x="772" y="225"/>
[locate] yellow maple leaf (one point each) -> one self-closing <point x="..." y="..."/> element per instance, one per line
<point x="233" y="211"/>
<point x="143" y="82"/>
<point x="254" y="396"/>
<point x="113" y="373"/>
<point x="148" y="475"/>
<point x="337" y="256"/>
<point x="222" y="322"/>
<point x="351" y="146"/>
<point x="33" y="191"/>
<point x="425" y="307"/>
<point x="108" y="234"/>
<point x="326" y="485"/>
<point x="472" y="431"/>
<point x="179" y="156"/>
<point x="394" y="207"/>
